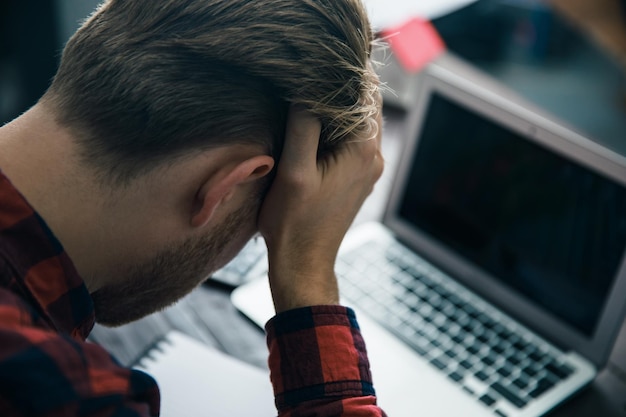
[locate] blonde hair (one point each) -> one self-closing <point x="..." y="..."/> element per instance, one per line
<point x="143" y="81"/>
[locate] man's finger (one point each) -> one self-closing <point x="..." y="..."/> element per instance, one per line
<point x="302" y="137"/>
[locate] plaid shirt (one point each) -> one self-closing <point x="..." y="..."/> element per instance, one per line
<point x="317" y="356"/>
<point x="318" y="364"/>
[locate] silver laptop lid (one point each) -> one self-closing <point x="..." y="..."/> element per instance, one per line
<point x="523" y="210"/>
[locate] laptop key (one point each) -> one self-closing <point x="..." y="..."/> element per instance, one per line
<point x="456" y="300"/>
<point x="474" y="349"/>
<point x="547" y="375"/>
<point x="530" y="370"/>
<point x="505" y="371"/>
<point x="489" y="360"/>
<point x="514" y="359"/>
<point x="481" y="375"/>
<point x="505" y="334"/>
<point x="471" y="311"/>
<point x="536" y="355"/>
<point x="459" y="337"/>
<point x="521" y="382"/>
<point x="542" y="386"/>
<point x="455" y="376"/>
<point x="487" y="399"/>
<point x="509" y="395"/>
<point x="444" y="328"/>
<point x="450" y="353"/>
<point x="487" y="321"/>
<point x="498" y="329"/>
<point x="439" y="363"/>
<point x="499" y="348"/>
<point x="561" y="371"/>
<point x="468" y="326"/>
<point x="436" y="342"/>
<point x="518" y="343"/>
<point x="483" y="337"/>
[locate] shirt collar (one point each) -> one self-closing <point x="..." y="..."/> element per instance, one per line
<point x="42" y="270"/>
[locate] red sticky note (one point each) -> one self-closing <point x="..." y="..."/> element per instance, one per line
<point x="414" y="43"/>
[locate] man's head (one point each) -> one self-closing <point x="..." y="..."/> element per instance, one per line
<point x="176" y="111"/>
<point x="145" y="81"/>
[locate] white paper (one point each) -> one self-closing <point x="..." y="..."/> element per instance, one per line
<point x="198" y="380"/>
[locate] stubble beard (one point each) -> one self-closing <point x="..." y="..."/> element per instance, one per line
<point x="171" y="274"/>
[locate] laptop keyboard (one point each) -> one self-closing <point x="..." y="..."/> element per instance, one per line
<point x="487" y="354"/>
<point x="250" y="263"/>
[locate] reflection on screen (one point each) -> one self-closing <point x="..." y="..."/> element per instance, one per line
<point x="546" y="227"/>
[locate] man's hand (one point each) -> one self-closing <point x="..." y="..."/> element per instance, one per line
<point x="310" y="207"/>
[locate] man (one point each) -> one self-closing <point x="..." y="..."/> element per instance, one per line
<point x="174" y="131"/>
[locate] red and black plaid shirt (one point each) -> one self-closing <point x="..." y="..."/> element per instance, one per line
<point x="319" y="365"/>
<point x="317" y="356"/>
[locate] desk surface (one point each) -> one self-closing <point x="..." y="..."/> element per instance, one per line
<point x="208" y="315"/>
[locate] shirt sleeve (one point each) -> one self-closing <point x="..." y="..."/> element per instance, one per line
<point x="318" y="364"/>
<point x="46" y="374"/>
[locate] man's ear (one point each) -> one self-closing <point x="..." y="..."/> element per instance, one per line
<point x="223" y="184"/>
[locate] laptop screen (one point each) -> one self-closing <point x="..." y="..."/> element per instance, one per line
<point x="548" y="228"/>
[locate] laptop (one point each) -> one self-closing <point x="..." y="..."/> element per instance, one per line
<point x="493" y="286"/>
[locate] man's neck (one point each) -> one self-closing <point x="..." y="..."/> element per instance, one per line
<point x="38" y="156"/>
<point x="32" y="156"/>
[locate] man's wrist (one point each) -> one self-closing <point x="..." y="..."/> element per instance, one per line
<point x="299" y="289"/>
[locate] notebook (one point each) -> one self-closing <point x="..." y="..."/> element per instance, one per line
<point x="195" y="379"/>
<point x="493" y="286"/>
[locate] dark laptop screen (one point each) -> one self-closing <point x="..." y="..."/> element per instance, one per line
<point x="545" y="226"/>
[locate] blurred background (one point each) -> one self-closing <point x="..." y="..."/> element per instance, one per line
<point x="568" y="56"/>
<point x="32" y="35"/>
